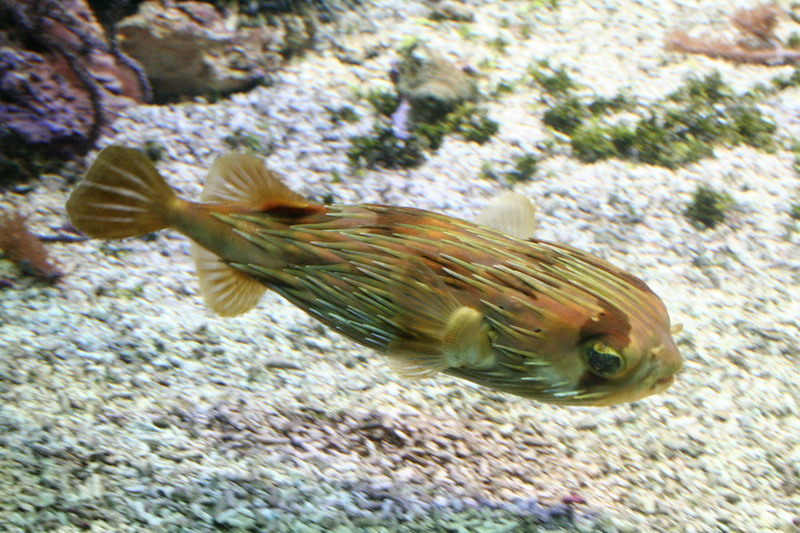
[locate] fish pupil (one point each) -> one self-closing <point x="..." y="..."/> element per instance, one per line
<point x="603" y="363"/>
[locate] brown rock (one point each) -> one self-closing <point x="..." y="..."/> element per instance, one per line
<point x="187" y="50"/>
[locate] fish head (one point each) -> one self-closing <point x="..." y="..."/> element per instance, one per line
<point x="598" y="335"/>
<point x="615" y="371"/>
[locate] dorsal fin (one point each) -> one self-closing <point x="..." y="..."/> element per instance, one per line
<point x="243" y="179"/>
<point x="510" y="213"/>
<point x="225" y="290"/>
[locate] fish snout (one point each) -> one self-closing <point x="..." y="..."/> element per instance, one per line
<point x="664" y="382"/>
<point x="667" y="362"/>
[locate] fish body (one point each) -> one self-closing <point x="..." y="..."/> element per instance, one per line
<point x="433" y="293"/>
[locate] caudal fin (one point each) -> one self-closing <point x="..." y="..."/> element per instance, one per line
<point x="122" y="195"/>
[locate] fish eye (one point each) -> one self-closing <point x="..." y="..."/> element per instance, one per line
<point x="602" y="360"/>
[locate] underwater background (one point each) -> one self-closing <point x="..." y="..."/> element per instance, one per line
<point x="127" y="406"/>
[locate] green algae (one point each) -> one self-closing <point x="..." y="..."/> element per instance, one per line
<point x="708" y="207"/>
<point x="382" y="148"/>
<point x="155" y="150"/>
<point x="343" y="113"/>
<point x="794" y="211"/>
<point x="523" y="169"/>
<point x="433" y="99"/>
<point x="682" y="128"/>
<point x="554" y="81"/>
<point x="241" y="139"/>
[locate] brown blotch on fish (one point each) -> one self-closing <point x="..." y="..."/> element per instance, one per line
<point x="482" y="301"/>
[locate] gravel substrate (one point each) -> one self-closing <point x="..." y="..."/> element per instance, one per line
<point x="127" y="406"/>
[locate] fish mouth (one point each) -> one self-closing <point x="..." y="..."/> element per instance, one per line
<point x="662" y="384"/>
<point x="665" y="382"/>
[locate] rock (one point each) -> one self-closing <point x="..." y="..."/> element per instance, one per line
<point x="141" y="380"/>
<point x="187" y="50"/>
<point x="61" y="83"/>
<point x="237" y="517"/>
<point x="451" y="11"/>
<point x="432" y="85"/>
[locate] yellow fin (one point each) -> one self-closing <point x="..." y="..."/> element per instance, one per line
<point x="466" y="340"/>
<point x="243" y="179"/>
<point x="510" y="213"/>
<point x="225" y="290"/>
<point x="462" y="340"/>
<point x="416" y="359"/>
<point x="122" y="195"/>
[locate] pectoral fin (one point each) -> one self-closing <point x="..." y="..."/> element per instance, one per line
<point x="510" y="213"/>
<point x="466" y="340"/>
<point x="462" y="338"/>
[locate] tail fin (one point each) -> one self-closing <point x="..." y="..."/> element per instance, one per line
<point x="122" y="195"/>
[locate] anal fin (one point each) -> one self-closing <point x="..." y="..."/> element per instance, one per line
<point x="415" y="359"/>
<point x="225" y="290"/>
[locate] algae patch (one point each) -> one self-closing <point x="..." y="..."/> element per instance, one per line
<point x="433" y="98"/>
<point x="522" y="169"/>
<point x="682" y="128"/>
<point x="708" y="207"/>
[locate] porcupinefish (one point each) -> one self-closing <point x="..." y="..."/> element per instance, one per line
<point x="482" y="301"/>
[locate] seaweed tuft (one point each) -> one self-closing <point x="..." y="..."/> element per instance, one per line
<point x="240" y="139"/>
<point x="683" y="128"/>
<point x="383" y="148"/>
<point x="567" y="115"/>
<point x="554" y="81"/>
<point x="343" y="113"/>
<point x="154" y="150"/>
<point x="433" y="98"/>
<point x="708" y="207"/>
<point x="472" y="122"/>
<point x="525" y="167"/>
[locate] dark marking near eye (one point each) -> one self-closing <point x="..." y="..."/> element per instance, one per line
<point x="612" y="324"/>
<point x="589" y="380"/>
<point x="292" y="212"/>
